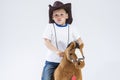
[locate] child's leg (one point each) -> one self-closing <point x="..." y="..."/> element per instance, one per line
<point x="49" y="70"/>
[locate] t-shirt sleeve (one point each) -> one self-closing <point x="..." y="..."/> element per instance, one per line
<point x="47" y="33"/>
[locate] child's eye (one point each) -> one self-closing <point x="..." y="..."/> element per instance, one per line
<point x="56" y="15"/>
<point x="62" y="14"/>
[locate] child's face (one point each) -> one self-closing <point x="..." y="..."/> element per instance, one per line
<point x="60" y="16"/>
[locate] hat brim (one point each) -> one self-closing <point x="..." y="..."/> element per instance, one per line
<point x="66" y="6"/>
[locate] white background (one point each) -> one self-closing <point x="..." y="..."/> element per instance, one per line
<point x="22" y="23"/>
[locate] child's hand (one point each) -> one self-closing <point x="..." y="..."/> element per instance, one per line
<point x="60" y="53"/>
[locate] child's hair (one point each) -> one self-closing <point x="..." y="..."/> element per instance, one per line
<point x="59" y="5"/>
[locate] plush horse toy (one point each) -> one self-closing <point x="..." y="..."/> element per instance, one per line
<point x="71" y="64"/>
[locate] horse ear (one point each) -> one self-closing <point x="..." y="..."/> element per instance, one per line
<point x="70" y="45"/>
<point x="77" y="45"/>
<point x="81" y="46"/>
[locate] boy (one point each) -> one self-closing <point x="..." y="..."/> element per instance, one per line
<point x="58" y="34"/>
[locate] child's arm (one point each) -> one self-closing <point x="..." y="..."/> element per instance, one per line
<point x="51" y="47"/>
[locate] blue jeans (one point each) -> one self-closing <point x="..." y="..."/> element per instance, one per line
<point x="48" y="70"/>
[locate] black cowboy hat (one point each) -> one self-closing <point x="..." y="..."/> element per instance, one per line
<point x="60" y="5"/>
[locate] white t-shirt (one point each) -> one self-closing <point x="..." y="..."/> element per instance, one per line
<point x="60" y="35"/>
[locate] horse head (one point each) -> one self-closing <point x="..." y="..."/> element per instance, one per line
<point x="74" y="54"/>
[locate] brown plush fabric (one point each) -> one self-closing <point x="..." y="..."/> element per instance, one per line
<point x="68" y="68"/>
